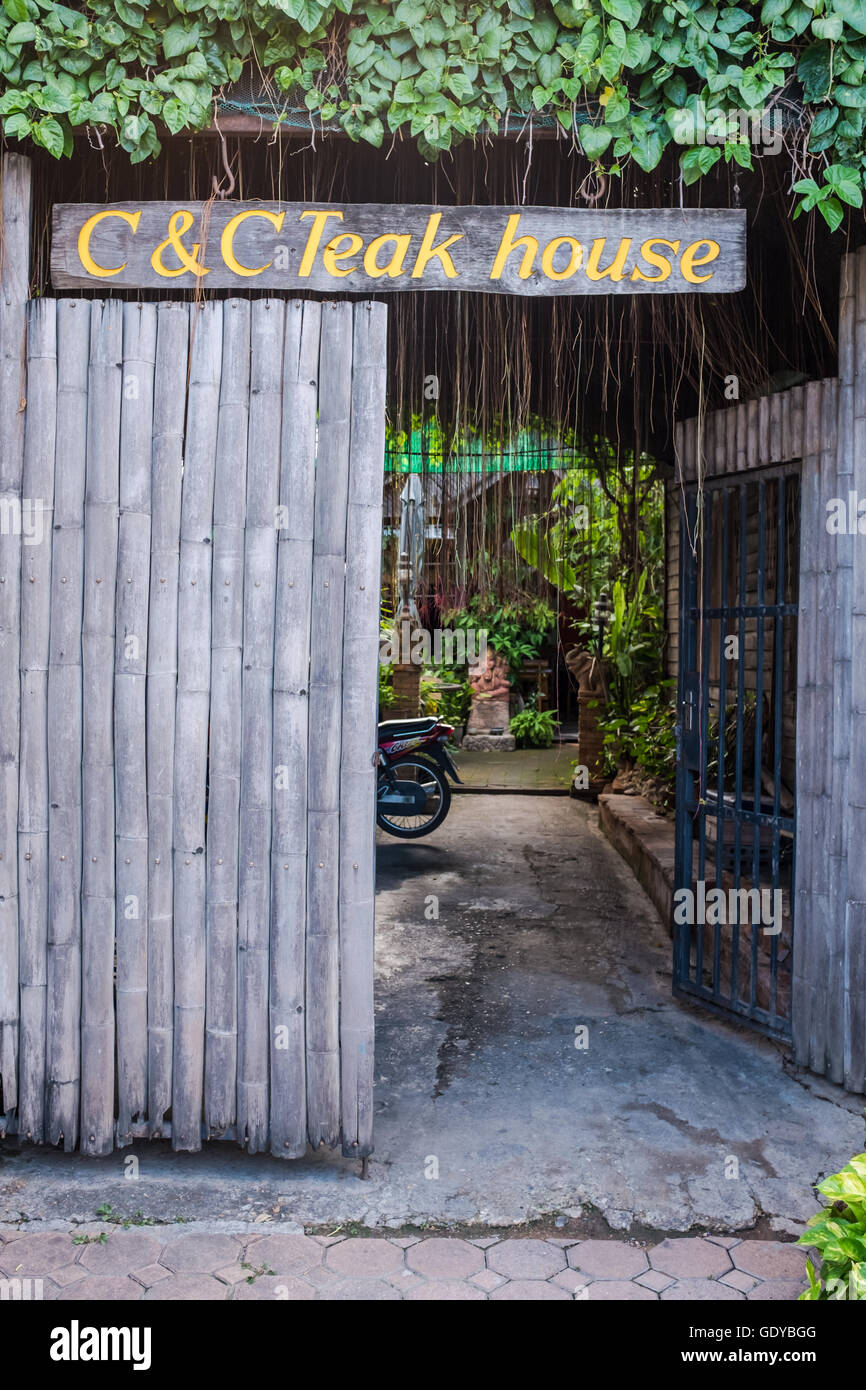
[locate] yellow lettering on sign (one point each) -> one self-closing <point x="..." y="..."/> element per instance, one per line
<point x="427" y="250"/>
<point x="550" y="250"/>
<point x="395" y="265"/>
<point x="660" y="263"/>
<point x="178" y="225"/>
<point x="227" y="240"/>
<point x="319" y="222"/>
<point x="510" y="243"/>
<point x="616" y="269"/>
<point x="690" y="259"/>
<point x="330" y="255"/>
<point x="131" y="219"/>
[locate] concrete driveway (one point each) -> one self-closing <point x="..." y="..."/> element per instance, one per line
<point x="513" y="933"/>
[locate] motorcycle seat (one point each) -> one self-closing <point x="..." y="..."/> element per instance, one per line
<point x="400" y="728"/>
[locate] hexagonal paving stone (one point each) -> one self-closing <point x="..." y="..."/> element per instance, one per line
<point x="33" y="1255"/>
<point x="445" y="1258"/>
<point x="152" y="1274"/>
<point x="68" y="1274"/>
<point x="655" y="1280"/>
<point x="270" y="1288"/>
<point x="690" y="1257"/>
<point x="571" y="1280"/>
<point x="705" y="1290"/>
<point x="608" y="1259"/>
<point x="200" y="1254"/>
<point x="610" y="1290"/>
<point x="488" y="1280"/>
<point x="123" y="1252"/>
<point x="736" y="1279"/>
<point x="348" y="1290"/>
<point x="445" y="1291"/>
<point x="285" y="1254"/>
<point x="183" y="1288"/>
<point x="529" y="1290"/>
<point x="771" y="1259"/>
<point x="777" y="1289"/>
<point x="526" y="1259"/>
<point x="368" y="1259"/>
<point x="102" y="1288"/>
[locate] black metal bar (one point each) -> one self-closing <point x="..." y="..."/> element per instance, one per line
<point x="741" y="699"/>
<point x="686" y="712"/>
<point x="706" y="557"/>
<point x="757" y="795"/>
<point x="778" y="661"/>
<point x="720" y="794"/>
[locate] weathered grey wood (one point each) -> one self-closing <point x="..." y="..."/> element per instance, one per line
<point x="191" y="726"/>
<point x="752" y="434"/>
<point x="224" y="773"/>
<point x="130" y="725"/>
<point x="329" y="558"/>
<point x="65" y="729"/>
<point x="38" y="499"/>
<point x="172" y="344"/>
<point x="854" y="1042"/>
<point x="360" y="705"/>
<point x="775" y="408"/>
<point x="274" y="256"/>
<point x="288" y="1097"/>
<point x="14" y="282"/>
<point x="257" y="771"/>
<point x="98" y="878"/>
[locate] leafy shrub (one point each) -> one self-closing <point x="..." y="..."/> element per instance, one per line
<point x="534" y="728"/>
<point x="839" y="1233"/>
<point x="644" y="735"/>
<point x="516" y="629"/>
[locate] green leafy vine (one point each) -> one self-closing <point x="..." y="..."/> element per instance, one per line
<point x="627" y="79"/>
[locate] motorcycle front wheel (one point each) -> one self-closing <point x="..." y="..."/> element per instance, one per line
<point x="414" y="824"/>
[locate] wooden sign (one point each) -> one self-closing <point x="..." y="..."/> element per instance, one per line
<point x="364" y="247"/>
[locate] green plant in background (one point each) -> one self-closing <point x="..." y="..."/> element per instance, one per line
<point x="645" y="735"/>
<point x="839" y="1234"/>
<point x="626" y="78"/>
<point x="451" y="705"/>
<point x="516" y="629"/>
<point x="534" y="728"/>
<point x="386" y="688"/>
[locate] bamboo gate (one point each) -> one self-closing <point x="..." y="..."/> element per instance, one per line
<point x="189" y="613"/>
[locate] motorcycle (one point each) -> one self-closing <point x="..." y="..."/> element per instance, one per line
<point x="413" y="795"/>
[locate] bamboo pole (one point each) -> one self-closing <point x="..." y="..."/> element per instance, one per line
<point x="14" y="282"/>
<point x="130" y="680"/>
<point x="360" y="705"/>
<point x="225" y="721"/>
<point x="172" y="345"/>
<point x="38" y="499"/>
<point x="257" y="768"/>
<point x="323" y="823"/>
<point x="191" y="727"/>
<point x="98" y="878"/>
<point x="288" y="1104"/>
<point x="65" y="721"/>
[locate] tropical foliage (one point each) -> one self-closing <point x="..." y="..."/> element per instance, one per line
<point x="629" y="78"/>
<point x="838" y="1233"/>
<point x="534" y="728"/>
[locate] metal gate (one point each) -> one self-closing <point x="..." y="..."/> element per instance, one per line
<point x="734" y="868"/>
